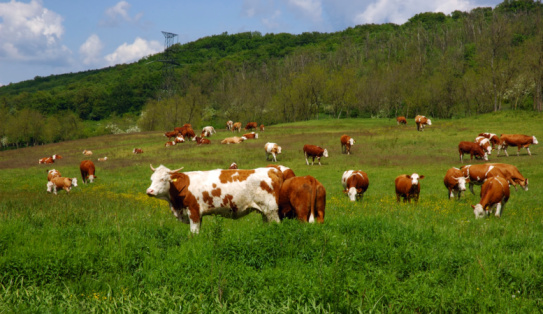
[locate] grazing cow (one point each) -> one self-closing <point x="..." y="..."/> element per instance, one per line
<point x="49" y="160"/>
<point x="230" y="125"/>
<point x="233" y="140"/>
<point x="251" y="125"/>
<point x="229" y="193"/>
<point x="408" y="187"/>
<point x="314" y="151"/>
<point x="494" y="193"/>
<point x="171" y="134"/>
<point x="494" y="139"/>
<point x="517" y="140"/>
<point x="346" y="143"/>
<point x="484" y="143"/>
<point x="455" y="181"/>
<point x="421" y="121"/>
<point x="287" y="172"/>
<point x="179" y="139"/>
<point x="262" y="127"/>
<point x="186" y="131"/>
<point x="236" y="126"/>
<point x="233" y="166"/>
<point x="272" y="149"/>
<point x="102" y="159"/>
<point x="355" y="183"/>
<point x="201" y="140"/>
<point x="303" y="198"/>
<point x="208" y="130"/>
<point x="251" y="135"/>
<point x="88" y="171"/>
<point x="168" y="144"/>
<point x="87" y="153"/>
<point x="473" y="149"/>
<point x="137" y="151"/>
<point x="53" y="173"/>
<point x="401" y="120"/>
<point x="65" y="184"/>
<point x="512" y="175"/>
<point x="477" y="174"/>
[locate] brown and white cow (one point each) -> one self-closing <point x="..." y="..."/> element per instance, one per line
<point x="53" y="173"/>
<point x="63" y="183"/>
<point x="87" y="153"/>
<point x="233" y="140"/>
<point x="303" y="198"/>
<point x="346" y="143"/>
<point x="230" y="125"/>
<point x="355" y="183"/>
<point x="49" y="160"/>
<point x="287" y="172"/>
<point x="494" y="139"/>
<point x="236" y="126"/>
<point x="455" y="181"/>
<point x="208" y="130"/>
<point x="251" y="125"/>
<point x="478" y="174"/>
<point x="201" y="140"/>
<point x="408" y="187"/>
<point x="137" y="151"/>
<point x="484" y="143"/>
<point x="251" y="135"/>
<point x="473" y="149"/>
<point x="102" y="159"/>
<point x="512" y="175"/>
<point x="179" y="139"/>
<point x="233" y="166"/>
<point x="272" y="149"/>
<point x="494" y="193"/>
<point x="88" y="171"/>
<point x="186" y="131"/>
<point x="421" y="121"/>
<point x="171" y="134"/>
<point x="401" y="120"/>
<point x="314" y="151"/>
<point x="228" y="193"/>
<point x="262" y="127"/>
<point x="517" y="140"/>
<point x="168" y="144"/>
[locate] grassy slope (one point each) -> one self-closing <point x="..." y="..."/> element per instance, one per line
<point x="109" y="246"/>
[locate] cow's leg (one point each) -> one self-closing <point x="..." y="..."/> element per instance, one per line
<point x="459" y="193"/>
<point x="195" y="220"/>
<point x="397" y="197"/>
<point x="450" y="194"/>
<point x="505" y="151"/>
<point x="471" y="188"/>
<point x="461" y="157"/>
<point x="499" y="208"/>
<point x="319" y="160"/>
<point x="274" y="157"/>
<point x="518" y="150"/>
<point x="528" y="150"/>
<point x="55" y="189"/>
<point x="306" y="161"/>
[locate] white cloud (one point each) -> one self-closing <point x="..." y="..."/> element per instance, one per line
<point x="129" y="53"/>
<point x="309" y="8"/>
<point x="272" y="21"/>
<point x="90" y="50"/>
<point x="119" y="13"/>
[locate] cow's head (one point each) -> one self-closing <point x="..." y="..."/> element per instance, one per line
<point x="485" y="156"/>
<point x="429" y="122"/>
<point x="535" y="140"/>
<point x="352" y="141"/>
<point x="278" y="149"/>
<point x="243" y="138"/>
<point x="74" y="181"/>
<point x="415" y="178"/>
<point x="479" y="211"/>
<point x="160" y="182"/>
<point x="325" y="154"/>
<point x="461" y="181"/>
<point x="91" y="178"/>
<point x="180" y="139"/>
<point x="523" y="184"/>
<point x="352" y="192"/>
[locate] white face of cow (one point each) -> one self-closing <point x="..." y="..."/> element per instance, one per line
<point x="279" y="149"/>
<point x="535" y="140"/>
<point x="479" y="211"/>
<point x="429" y="122"/>
<point x="325" y="154"/>
<point x="461" y="183"/>
<point x="74" y="181"/>
<point x="91" y="178"/>
<point x="352" y="194"/>
<point x="351" y="141"/>
<point x="415" y="178"/>
<point x="243" y="138"/>
<point x="485" y="157"/>
<point x="160" y="183"/>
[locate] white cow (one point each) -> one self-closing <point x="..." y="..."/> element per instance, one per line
<point x="272" y="149"/>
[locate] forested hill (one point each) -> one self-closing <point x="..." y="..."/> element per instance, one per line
<point x="435" y="64"/>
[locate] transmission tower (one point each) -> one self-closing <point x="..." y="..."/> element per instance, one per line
<point x="168" y="63"/>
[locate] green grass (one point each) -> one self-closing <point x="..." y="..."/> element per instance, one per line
<point x="108" y="247"/>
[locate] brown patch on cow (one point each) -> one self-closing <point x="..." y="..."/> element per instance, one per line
<point x="227" y="202"/>
<point x="227" y="176"/>
<point x="207" y="198"/>
<point x="216" y="192"/>
<point x="214" y="185"/>
<point x="181" y="197"/>
<point x="264" y="186"/>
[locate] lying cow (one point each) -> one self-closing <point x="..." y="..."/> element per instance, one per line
<point x="102" y="159"/>
<point x="401" y="120"/>
<point x="63" y="183"/>
<point x="228" y="193"/>
<point x="346" y="143"/>
<point x="233" y="140"/>
<point x="53" y="173"/>
<point x="287" y="172"/>
<point x="171" y="143"/>
<point x="87" y="153"/>
<point x="88" y="171"/>
<point x="478" y="174"/>
<point x="512" y="175"/>
<point x="303" y="198"/>
<point x="421" y="121"/>
<point x="272" y="149"/>
<point x="494" y="193"/>
<point x="250" y="126"/>
<point x="49" y="160"/>
<point x="355" y="183"/>
<point x="233" y="166"/>
<point x="484" y="143"/>
<point x="201" y="140"/>
<point x="473" y="149"/>
<point x="137" y="151"/>
<point x="455" y="181"/>
<point x="408" y="187"/>
<point x="494" y="139"/>
<point x="251" y="135"/>
<point x="314" y="151"/>
<point x="517" y="140"/>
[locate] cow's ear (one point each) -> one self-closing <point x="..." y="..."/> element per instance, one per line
<point x="408" y="176"/>
<point x="421" y="177"/>
<point x="473" y="206"/>
<point x="358" y="191"/>
<point x="345" y="191"/>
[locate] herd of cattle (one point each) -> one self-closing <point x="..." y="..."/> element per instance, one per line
<point x="277" y="193"/>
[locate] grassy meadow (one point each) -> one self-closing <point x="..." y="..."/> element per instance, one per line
<point x="106" y="246"/>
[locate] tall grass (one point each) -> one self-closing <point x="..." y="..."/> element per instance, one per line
<point x="108" y="247"/>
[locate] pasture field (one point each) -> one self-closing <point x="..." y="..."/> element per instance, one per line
<point x="106" y="246"/>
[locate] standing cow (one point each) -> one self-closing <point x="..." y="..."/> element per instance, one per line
<point x="208" y="130"/>
<point x="512" y="175"/>
<point x="355" y="183"/>
<point x="517" y="140"/>
<point x="137" y="151"/>
<point x="229" y="125"/>
<point x="494" y="193"/>
<point x="494" y="139"/>
<point x="408" y="187"/>
<point x="473" y="149"/>
<point x="62" y="183"/>
<point x="303" y="198"/>
<point x="228" y="193"/>
<point x="455" y="181"/>
<point x="236" y="126"/>
<point x="272" y="149"/>
<point x="401" y="120"/>
<point x="88" y="171"/>
<point x="421" y="121"/>
<point x="314" y="151"/>
<point x="251" y="125"/>
<point x="485" y="144"/>
<point x="346" y="143"/>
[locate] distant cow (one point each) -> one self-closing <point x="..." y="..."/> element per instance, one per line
<point x="455" y="181"/>
<point x="228" y="193"/>
<point x="287" y="172"/>
<point x="494" y="139"/>
<point x="102" y="159"/>
<point x="517" y="140"/>
<point x="484" y="143"/>
<point x="236" y="126"/>
<point x="233" y="166"/>
<point x="233" y="140"/>
<point x="53" y="173"/>
<point x="346" y="143"/>
<point x="251" y="135"/>
<point x="478" y="174"/>
<point x="408" y="187"/>
<point x="88" y="171"/>
<point x="512" y="174"/>
<point x="494" y="193"/>
<point x="168" y="144"/>
<point x="421" y="121"/>
<point x="87" y="153"/>
<point x="262" y="127"/>
<point x="179" y="139"/>
<point x="355" y="183"/>
<point x="201" y="140"/>
<point x="57" y="183"/>
<point x="208" y="130"/>
<point x="186" y="131"/>
<point x="230" y="125"/>
<point x="314" y="151"/>
<point x="137" y="151"/>
<point x="303" y="198"/>
<point x="272" y="149"/>
<point x="49" y="160"/>
<point x="473" y="149"/>
<point x="401" y="120"/>
<point x="171" y="134"/>
<point x="251" y="125"/>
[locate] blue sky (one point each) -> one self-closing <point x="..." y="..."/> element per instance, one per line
<point x="44" y="37"/>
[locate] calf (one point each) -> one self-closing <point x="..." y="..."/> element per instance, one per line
<point x="233" y="140"/>
<point x="53" y="173"/>
<point x="168" y="144"/>
<point x="314" y="151"/>
<point x="251" y="135"/>
<point x="346" y="143"/>
<point x="303" y="198"/>
<point x="49" y="160"/>
<point x="233" y="166"/>
<point x="102" y="159"/>
<point x="229" y="125"/>
<point x="512" y="175"/>
<point x="494" y="193"/>
<point x="201" y="140"/>
<point x="455" y="181"/>
<point x="261" y="127"/>
<point x="61" y="183"/>
<point x="408" y="187"/>
<point x="355" y="183"/>
<point x="137" y="151"/>
<point x="236" y="126"/>
<point x="421" y="121"/>
<point x="478" y="174"/>
<point x="272" y="149"/>
<point x="88" y="171"/>
<point x="517" y="140"/>
<point x="179" y="139"/>
<point x="401" y="120"/>
<point x="287" y="172"/>
<point x="473" y="149"/>
<point x="494" y="139"/>
<point x="251" y="125"/>
<point x="484" y="143"/>
<point x="87" y="153"/>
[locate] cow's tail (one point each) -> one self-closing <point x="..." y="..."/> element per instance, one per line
<point x="313" y="202"/>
